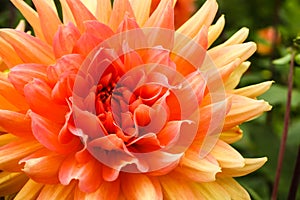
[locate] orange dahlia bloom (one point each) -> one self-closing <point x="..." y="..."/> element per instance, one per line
<point x="114" y="103"/>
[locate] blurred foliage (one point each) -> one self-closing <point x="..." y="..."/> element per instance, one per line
<point x="261" y="136"/>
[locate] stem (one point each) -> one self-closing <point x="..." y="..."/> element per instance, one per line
<point x="285" y="129"/>
<point x="295" y="180"/>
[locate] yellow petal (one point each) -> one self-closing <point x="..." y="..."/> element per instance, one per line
<point x="232" y="135"/>
<point x="21" y="25"/>
<point x="238" y="38"/>
<point x="30" y="191"/>
<point x="141" y="10"/>
<point x="200" y="170"/>
<point x="57" y="192"/>
<point x="227" y="156"/>
<point x="204" y="16"/>
<point x="233" y="188"/>
<point x="176" y="188"/>
<point x="6" y="138"/>
<point x="67" y="14"/>
<point x="225" y="55"/>
<point x="251" y="165"/>
<point x="215" y="30"/>
<point x="236" y="75"/>
<point x="31" y="16"/>
<point x="211" y="191"/>
<point x="11" y="182"/>
<point x="244" y="109"/>
<point x="103" y="11"/>
<point x="254" y="91"/>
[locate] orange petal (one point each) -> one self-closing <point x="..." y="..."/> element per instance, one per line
<point x="233" y="188"/>
<point x="8" y="54"/>
<point x="11" y="182"/>
<point x="11" y="153"/>
<point x="251" y="165"/>
<point x="46" y="12"/>
<point x="107" y="190"/>
<point x="30" y="49"/>
<point x="16" y="123"/>
<point x="7" y="138"/>
<point x="227" y="156"/>
<point x="99" y="30"/>
<point x="64" y="40"/>
<point x="244" y="109"/>
<point x="163" y="16"/>
<point x="88" y="174"/>
<point x="29" y="191"/>
<point x="139" y="186"/>
<point x="31" y="16"/>
<point x="38" y="96"/>
<point x="36" y="166"/>
<point x="58" y="191"/>
<point x="80" y="13"/>
<point x="120" y="9"/>
<point x="22" y="74"/>
<point x="12" y="95"/>
<point x="46" y="132"/>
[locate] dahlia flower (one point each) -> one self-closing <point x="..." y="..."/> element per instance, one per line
<point x="111" y="102"/>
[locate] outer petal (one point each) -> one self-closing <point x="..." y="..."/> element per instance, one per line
<point x="163" y="16"/>
<point x="254" y="91"/>
<point x="251" y="164"/>
<point x="211" y="191"/>
<point x="176" y="188"/>
<point x="204" y="16"/>
<point x="46" y="132"/>
<point x="57" y="192"/>
<point x="11" y="153"/>
<point x="65" y="39"/>
<point x="244" y="109"/>
<point x="227" y="156"/>
<point x="38" y="95"/>
<point x="225" y="55"/>
<point x="234" y="189"/>
<point x="11" y="182"/>
<point x="232" y="135"/>
<point x="141" y="10"/>
<point x="196" y="169"/>
<point x="31" y="16"/>
<point x="215" y="30"/>
<point x="107" y="190"/>
<point x="39" y="52"/>
<point x="88" y="174"/>
<point x="235" y="77"/>
<point x="80" y="13"/>
<point x="29" y="191"/>
<point x="139" y="186"/>
<point x="120" y="9"/>
<point x="46" y="12"/>
<point x="22" y="74"/>
<point x="36" y="166"/>
<point x="8" y="54"/>
<point x="16" y="123"/>
<point x="103" y="11"/>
